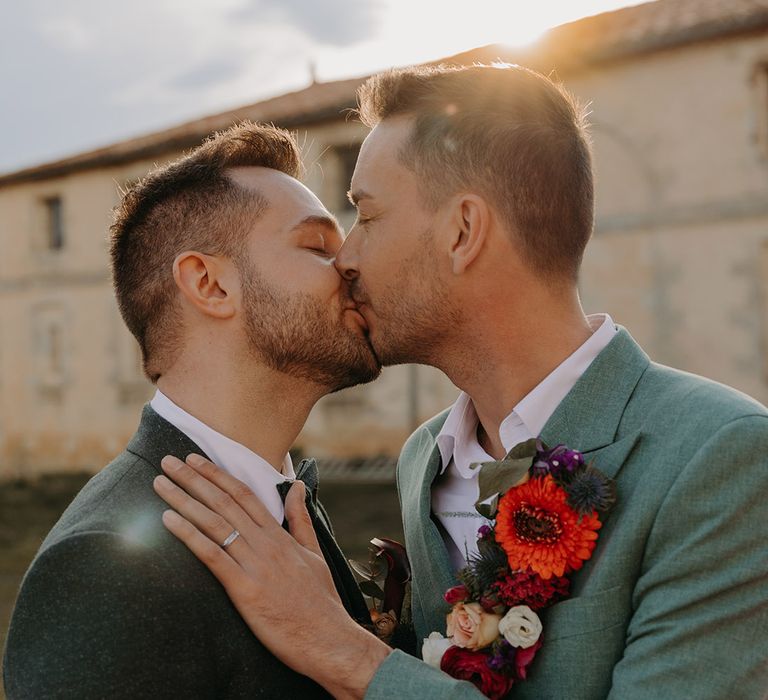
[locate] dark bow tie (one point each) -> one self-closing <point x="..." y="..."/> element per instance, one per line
<point x="306" y="472"/>
<point x="342" y="575"/>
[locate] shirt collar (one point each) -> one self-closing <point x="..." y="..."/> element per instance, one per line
<point x="233" y="457"/>
<point x="458" y="437"/>
<point x="539" y="405"/>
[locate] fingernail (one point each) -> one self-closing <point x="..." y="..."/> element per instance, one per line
<point x="195" y="460"/>
<point x="169" y="463"/>
<point x="163" y="483"/>
<point x="171" y="517"/>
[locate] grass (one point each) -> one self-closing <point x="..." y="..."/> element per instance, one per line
<point x="28" y="510"/>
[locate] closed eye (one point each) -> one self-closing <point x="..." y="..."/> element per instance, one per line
<point x="319" y="251"/>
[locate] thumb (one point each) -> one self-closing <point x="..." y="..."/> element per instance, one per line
<point x="299" y="522"/>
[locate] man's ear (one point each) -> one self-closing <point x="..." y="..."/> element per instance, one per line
<point x="208" y="282"/>
<point x="471" y="222"/>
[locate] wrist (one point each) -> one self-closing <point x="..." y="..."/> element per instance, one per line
<point x="355" y="665"/>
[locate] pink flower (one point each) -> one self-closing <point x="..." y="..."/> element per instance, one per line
<point x="473" y="666"/>
<point x="471" y="627"/>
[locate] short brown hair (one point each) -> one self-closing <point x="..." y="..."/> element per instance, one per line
<point x="189" y="204"/>
<point x="509" y="133"/>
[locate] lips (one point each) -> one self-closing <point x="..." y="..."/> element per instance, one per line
<point x="359" y="318"/>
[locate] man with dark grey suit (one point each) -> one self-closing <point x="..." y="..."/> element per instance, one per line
<point x="223" y="271"/>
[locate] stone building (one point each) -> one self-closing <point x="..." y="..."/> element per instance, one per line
<point x="679" y="98"/>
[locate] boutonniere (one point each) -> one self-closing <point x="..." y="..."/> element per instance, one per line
<point x="545" y="507"/>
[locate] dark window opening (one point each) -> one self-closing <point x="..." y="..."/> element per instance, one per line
<point x="54" y="223"/>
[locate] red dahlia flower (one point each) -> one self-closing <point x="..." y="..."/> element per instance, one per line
<point x="528" y="588"/>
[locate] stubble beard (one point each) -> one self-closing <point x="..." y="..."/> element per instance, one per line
<point x="295" y="334"/>
<point x="414" y="313"/>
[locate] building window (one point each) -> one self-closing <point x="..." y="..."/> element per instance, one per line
<point x="55" y="353"/>
<point x="346" y="157"/>
<point x="50" y="350"/>
<point x="54" y="223"/>
<point x="761" y="107"/>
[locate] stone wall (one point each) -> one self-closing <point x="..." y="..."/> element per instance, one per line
<point x="680" y="257"/>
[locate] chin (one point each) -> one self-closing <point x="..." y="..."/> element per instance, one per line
<point x="360" y="374"/>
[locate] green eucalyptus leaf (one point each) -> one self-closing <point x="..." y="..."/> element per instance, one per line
<point x="523" y="450"/>
<point x="488" y="510"/>
<point x="372" y="590"/>
<point x="498" y="477"/>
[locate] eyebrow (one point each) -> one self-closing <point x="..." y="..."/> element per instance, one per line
<point x="357" y="195"/>
<point x="325" y="220"/>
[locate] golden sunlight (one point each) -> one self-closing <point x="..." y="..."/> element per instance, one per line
<point x="415" y="31"/>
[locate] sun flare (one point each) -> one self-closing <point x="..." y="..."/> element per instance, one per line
<point x="414" y="31"/>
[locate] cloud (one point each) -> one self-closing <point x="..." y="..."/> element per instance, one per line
<point x="68" y="33"/>
<point x="332" y="22"/>
<point x="80" y="74"/>
<point x="209" y="73"/>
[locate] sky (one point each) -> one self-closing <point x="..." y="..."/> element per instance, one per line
<point x="79" y="74"/>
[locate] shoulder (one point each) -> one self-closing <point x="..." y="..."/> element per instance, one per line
<point x="670" y="399"/>
<point x="96" y="560"/>
<point x="114" y="527"/>
<point x="93" y="607"/>
<point x="695" y="433"/>
<point x="122" y="488"/>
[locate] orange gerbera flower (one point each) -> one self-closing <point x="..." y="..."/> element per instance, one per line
<point x="538" y="529"/>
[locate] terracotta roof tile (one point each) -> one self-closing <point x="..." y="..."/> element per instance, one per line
<point x="657" y="25"/>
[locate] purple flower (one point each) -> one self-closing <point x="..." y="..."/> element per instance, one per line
<point x="510" y="661"/>
<point x="484" y="531"/>
<point x="560" y="462"/>
<point x="502" y="656"/>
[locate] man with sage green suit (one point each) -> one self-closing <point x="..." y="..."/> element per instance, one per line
<point x="674" y="601"/>
<point x="475" y="203"/>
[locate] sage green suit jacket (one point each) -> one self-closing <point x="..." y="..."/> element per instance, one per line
<point x="674" y="601"/>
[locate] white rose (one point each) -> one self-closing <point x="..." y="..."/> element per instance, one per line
<point x="433" y="649"/>
<point x="521" y="627"/>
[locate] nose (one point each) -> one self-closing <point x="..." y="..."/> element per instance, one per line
<point x="347" y="259"/>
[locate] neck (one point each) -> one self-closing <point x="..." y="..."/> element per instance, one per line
<point x="260" y="408"/>
<point x="508" y="352"/>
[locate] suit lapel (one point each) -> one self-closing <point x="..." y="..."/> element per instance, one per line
<point x="430" y="562"/>
<point x="589" y="417"/>
<point x="156" y="437"/>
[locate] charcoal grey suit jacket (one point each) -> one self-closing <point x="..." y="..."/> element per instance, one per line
<point x="114" y="606"/>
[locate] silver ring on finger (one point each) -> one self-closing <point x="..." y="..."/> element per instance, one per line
<point x="230" y="539"/>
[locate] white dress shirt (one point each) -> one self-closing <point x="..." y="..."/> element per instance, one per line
<point x="456" y="490"/>
<point x="234" y="458"/>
